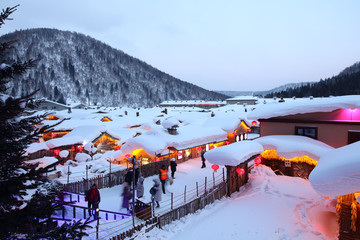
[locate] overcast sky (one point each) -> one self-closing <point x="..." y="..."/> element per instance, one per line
<point x="218" y="45"/>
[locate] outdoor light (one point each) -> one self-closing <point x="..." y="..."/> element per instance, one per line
<point x="79" y="147"/>
<point x="127" y="155"/>
<point x="257" y="160"/>
<point x="215" y="167"/>
<point x="240" y="171"/>
<point x="212" y="147"/>
<point x="56" y="151"/>
<point x="179" y="154"/>
<point x="227" y="142"/>
<point x="234" y="133"/>
<point x="198" y="148"/>
<point x="253" y="123"/>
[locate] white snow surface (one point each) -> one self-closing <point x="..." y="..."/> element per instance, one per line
<point x="34" y="147"/>
<point x="290" y="146"/>
<point x="268" y="207"/>
<point x="338" y="171"/>
<point x="170" y="123"/>
<point x="305" y="105"/>
<point x="233" y="154"/>
<point x="64" y="153"/>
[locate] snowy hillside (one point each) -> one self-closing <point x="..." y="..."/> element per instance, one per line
<point x="73" y="67"/>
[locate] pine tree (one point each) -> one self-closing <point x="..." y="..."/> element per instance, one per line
<point x="25" y="195"/>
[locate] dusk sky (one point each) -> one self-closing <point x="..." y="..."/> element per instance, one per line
<point x="218" y="45"/>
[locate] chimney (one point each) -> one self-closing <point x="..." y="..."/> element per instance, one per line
<point x="172" y="131"/>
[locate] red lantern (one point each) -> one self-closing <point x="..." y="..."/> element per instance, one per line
<point x="234" y="133"/>
<point x="249" y="130"/>
<point x="240" y="171"/>
<point x="53" y="135"/>
<point x="254" y="123"/>
<point x="227" y="142"/>
<point x="198" y="148"/>
<point x="79" y="147"/>
<point x="215" y="167"/>
<point x="212" y="147"/>
<point x="127" y="155"/>
<point x="179" y="154"/>
<point x="56" y="151"/>
<point x="257" y="160"/>
<point x="73" y="148"/>
<point x="118" y="147"/>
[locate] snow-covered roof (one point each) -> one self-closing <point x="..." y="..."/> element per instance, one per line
<point x="234" y="154"/>
<point x="301" y="106"/>
<point x="338" y="172"/>
<point x="34" y="147"/>
<point x="191" y="102"/>
<point x="290" y="146"/>
<point x="64" y="141"/>
<point x="43" y="162"/>
<point x="243" y="98"/>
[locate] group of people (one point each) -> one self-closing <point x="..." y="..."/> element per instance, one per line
<point x="93" y="195"/>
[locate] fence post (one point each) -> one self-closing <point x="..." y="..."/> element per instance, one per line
<point x="223" y="174"/>
<point x="110" y="173"/>
<point x="197" y="189"/>
<point x="205" y="183"/>
<point x="214" y="179"/>
<point x="97" y="228"/>
<point x="185" y="194"/>
<point x="68" y="174"/>
<point x="172" y="201"/>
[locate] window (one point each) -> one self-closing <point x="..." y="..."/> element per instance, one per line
<point x="306" y="131"/>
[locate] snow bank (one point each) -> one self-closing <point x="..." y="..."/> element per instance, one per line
<point x="82" y="157"/>
<point x="34" y="147"/>
<point x="290" y="146"/>
<point x="338" y="171"/>
<point x="234" y="154"/>
<point x="43" y="162"/>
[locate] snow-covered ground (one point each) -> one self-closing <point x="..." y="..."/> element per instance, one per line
<point x="268" y="207"/>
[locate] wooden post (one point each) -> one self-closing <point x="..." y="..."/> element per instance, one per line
<point x="97" y="228"/>
<point x="205" y="183"/>
<point x="185" y="194"/>
<point x="68" y="173"/>
<point x="214" y="179"/>
<point x="74" y="212"/>
<point x="110" y="173"/>
<point x="197" y="189"/>
<point x="172" y="201"/>
<point x="223" y="174"/>
<point x="84" y="213"/>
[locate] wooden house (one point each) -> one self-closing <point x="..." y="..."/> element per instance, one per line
<point x="334" y="121"/>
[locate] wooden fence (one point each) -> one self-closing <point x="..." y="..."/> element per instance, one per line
<point x="208" y="196"/>
<point x="113" y="179"/>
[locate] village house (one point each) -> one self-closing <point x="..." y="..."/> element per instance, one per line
<point x="334" y="121"/>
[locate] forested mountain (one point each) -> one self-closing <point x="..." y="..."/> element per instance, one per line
<point x="346" y="83"/>
<point x="73" y="67"/>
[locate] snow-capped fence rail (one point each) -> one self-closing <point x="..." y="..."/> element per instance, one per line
<point x="113" y="179"/>
<point x="171" y="209"/>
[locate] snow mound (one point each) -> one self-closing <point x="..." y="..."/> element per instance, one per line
<point x="82" y="157"/>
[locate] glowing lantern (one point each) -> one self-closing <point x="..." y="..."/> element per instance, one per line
<point x="227" y="142"/>
<point x="56" y="151"/>
<point x="212" y="147"/>
<point x="179" y="154"/>
<point x="198" y="148"/>
<point x="79" y="147"/>
<point x="257" y="160"/>
<point x="215" y="167"/>
<point x="249" y="130"/>
<point x="127" y="155"/>
<point x="73" y="148"/>
<point x="53" y="135"/>
<point x="118" y="147"/>
<point x="240" y="171"/>
<point x="234" y="133"/>
<point x="253" y="123"/>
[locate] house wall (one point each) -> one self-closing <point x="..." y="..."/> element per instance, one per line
<point x="334" y="134"/>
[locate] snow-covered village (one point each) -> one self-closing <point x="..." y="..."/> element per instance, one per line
<point x="97" y="144"/>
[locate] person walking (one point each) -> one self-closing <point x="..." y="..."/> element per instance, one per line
<point x="163" y="177"/>
<point x="93" y="198"/>
<point x="155" y="192"/>
<point x="126" y="196"/>
<point x="203" y="159"/>
<point x="173" y="165"/>
<point x="140" y="187"/>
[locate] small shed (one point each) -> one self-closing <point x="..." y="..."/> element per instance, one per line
<point x="235" y="157"/>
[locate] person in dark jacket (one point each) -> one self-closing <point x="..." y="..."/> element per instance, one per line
<point x="173" y="165"/>
<point x="93" y="198"/>
<point x="203" y="159"/>
<point x="129" y="177"/>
